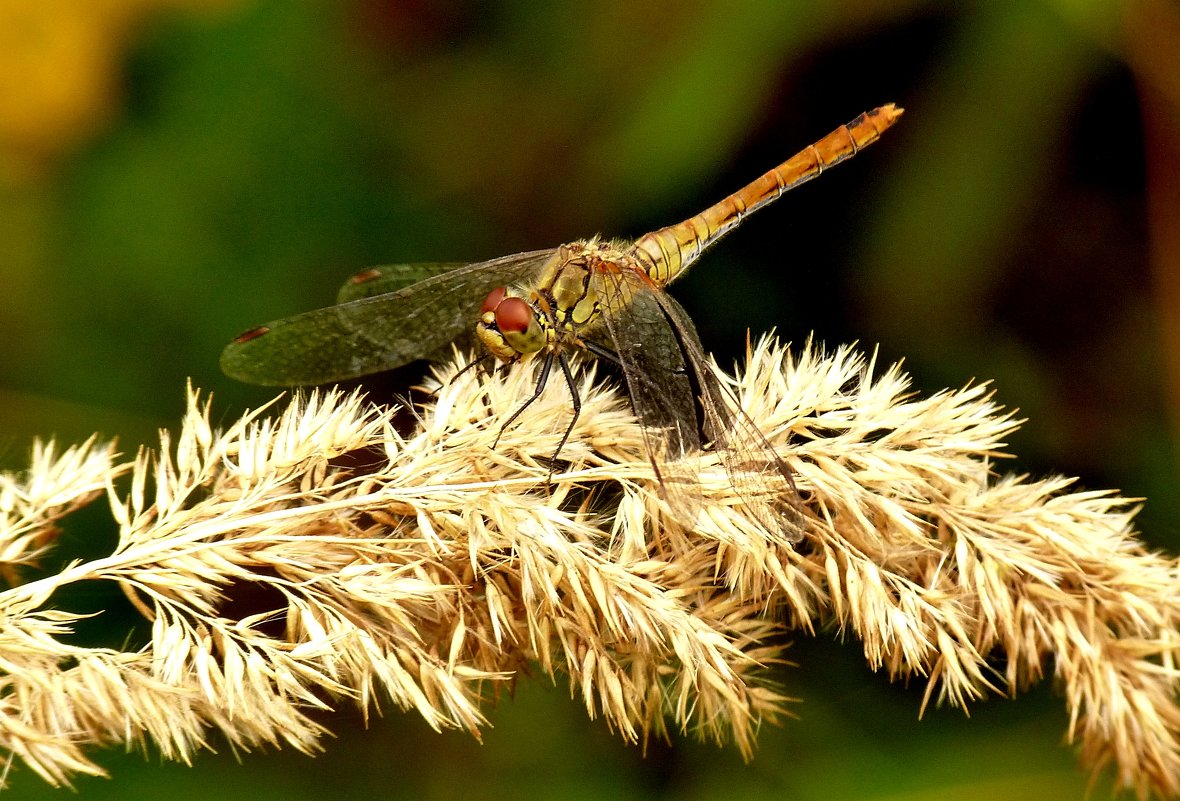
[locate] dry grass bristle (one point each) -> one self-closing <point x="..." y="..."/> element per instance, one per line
<point x="426" y="569"/>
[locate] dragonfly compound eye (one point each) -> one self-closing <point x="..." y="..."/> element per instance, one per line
<point x="508" y="327"/>
<point x="514" y="316"/>
<point x="518" y="324"/>
<point x="494" y="298"/>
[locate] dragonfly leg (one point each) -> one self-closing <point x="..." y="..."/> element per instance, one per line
<point x="475" y="363"/>
<point x="603" y="352"/>
<point x="575" y="401"/>
<point x="542" y="380"/>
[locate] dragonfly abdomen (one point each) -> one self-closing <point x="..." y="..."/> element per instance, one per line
<point x="669" y="251"/>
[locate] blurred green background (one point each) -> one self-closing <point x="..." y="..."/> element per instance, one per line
<point x="173" y="172"/>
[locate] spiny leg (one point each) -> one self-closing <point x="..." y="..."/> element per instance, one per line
<point x="473" y="363"/>
<point x="479" y="362"/>
<point x="542" y="380"/>
<point x="603" y="352"/>
<point x="575" y="401"/>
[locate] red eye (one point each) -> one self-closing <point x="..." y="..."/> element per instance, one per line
<point x="493" y="299"/>
<point x="513" y="315"/>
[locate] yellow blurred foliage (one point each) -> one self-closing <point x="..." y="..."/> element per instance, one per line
<point x="60" y="74"/>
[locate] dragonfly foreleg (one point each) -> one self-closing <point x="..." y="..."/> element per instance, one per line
<point x="474" y="363"/>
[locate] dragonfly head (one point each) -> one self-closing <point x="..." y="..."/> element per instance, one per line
<point x="509" y="327"/>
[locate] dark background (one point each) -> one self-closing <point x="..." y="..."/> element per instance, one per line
<point x="172" y="173"/>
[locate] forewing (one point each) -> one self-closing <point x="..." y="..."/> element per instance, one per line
<point x="391" y="277"/>
<point x="371" y="334"/>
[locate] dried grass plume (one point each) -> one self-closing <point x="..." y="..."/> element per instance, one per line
<point x="426" y="570"/>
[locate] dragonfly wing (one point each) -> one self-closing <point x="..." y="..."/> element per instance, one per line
<point x="392" y="277"/>
<point x="371" y="334"/>
<point x="387" y="278"/>
<point x="660" y="383"/>
<point x="757" y="473"/>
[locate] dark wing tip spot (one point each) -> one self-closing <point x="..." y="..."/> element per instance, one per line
<point x="365" y="276"/>
<point x="253" y="333"/>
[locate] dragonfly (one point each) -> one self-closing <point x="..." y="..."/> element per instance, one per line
<point x="596" y="296"/>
